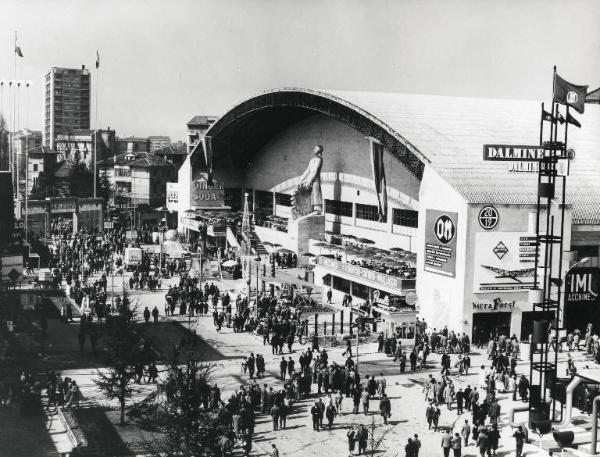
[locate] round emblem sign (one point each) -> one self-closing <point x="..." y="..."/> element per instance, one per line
<point x="488" y="217"/>
<point x="572" y="97"/>
<point x="444" y="229"/>
<point x="411" y="298"/>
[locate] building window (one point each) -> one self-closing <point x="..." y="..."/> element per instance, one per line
<point x="283" y="199"/>
<point x="341" y="284"/>
<point x="35" y="167"/>
<point x="405" y="217"/>
<point x="367" y="212"/>
<point x="338" y="208"/>
<point x="233" y="198"/>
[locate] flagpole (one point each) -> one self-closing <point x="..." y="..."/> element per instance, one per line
<point x="96" y="129"/>
<point x="542" y="125"/>
<point x="14" y="116"/>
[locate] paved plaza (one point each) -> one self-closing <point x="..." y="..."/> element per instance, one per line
<point x="227" y="350"/>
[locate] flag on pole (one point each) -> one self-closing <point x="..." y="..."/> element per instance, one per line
<point x="560" y="118"/>
<point x="572" y="120"/>
<point x="547" y="116"/>
<point x="569" y="94"/>
<point x="379" y="178"/>
<point x="207" y="140"/>
<point x="18" y="51"/>
<point x="97" y="60"/>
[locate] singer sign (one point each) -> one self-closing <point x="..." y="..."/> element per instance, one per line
<point x="204" y="194"/>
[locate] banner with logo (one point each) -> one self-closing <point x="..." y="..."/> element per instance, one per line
<point x="440" y="242"/>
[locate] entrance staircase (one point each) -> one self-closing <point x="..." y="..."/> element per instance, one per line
<point x="256" y="244"/>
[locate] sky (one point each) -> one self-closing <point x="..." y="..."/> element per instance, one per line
<point x="162" y="62"/>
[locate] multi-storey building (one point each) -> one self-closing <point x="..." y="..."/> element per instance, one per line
<point x="133" y="144"/>
<point x="23" y="143"/>
<point x="197" y="127"/>
<point x="67" y="102"/>
<point x="138" y="178"/>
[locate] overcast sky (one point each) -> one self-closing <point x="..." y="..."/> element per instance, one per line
<point x="164" y="61"/>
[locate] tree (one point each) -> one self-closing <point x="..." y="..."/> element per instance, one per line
<point x="103" y="187"/>
<point x="82" y="181"/>
<point x="7" y="212"/>
<point x="188" y="428"/>
<point x="4" y="151"/>
<point x="123" y="354"/>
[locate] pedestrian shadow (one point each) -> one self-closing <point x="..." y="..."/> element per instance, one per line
<point x="402" y="421"/>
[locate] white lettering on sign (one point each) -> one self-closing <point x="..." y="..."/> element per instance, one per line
<point x="523" y="167"/>
<point x="505" y="152"/>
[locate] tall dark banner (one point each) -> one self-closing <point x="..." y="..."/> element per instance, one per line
<point x="379" y="179"/>
<point x="582" y="301"/>
<point x="7" y="211"/>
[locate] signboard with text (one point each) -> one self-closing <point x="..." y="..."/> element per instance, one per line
<point x="172" y="196"/>
<point x="63" y="206"/>
<point x="364" y="273"/>
<point x="582" y="286"/>
<point x="440" y="242"/>
<point x="204" y="194"/>
<point x="512" y="152"/>
<point x="504" y="261"/>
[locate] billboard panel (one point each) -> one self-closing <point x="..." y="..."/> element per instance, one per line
<point x="440" y="242"/>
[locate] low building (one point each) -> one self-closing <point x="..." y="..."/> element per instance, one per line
<point x="158" y="142"/>
<point x="24" y="142"/>
<point x="457" y="227"/>
<point x="79" y="212"/>
<point x="132" y="145"/>
<point x="39" y="160"/>
<point x="197" y="127"/>
<point x="138" y="178"/>
<point x="175" y="153"/>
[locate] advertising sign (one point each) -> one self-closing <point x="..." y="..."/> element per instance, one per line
<point x="504" y="261"/>
<point x="57" y="206"/>
<point x="512" y="152"/>
<point x="12" y="266"/>
<point x="582" y="286"/>
<point x="207" y="195"/>
<point x="172" y="196"/>
<point x="440" y="242"/>
<point x="364" y="273"/>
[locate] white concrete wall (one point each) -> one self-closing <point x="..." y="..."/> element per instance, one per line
<point x="441" y="298"/>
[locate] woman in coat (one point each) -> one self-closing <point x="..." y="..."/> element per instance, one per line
<point x="351" y="436"/>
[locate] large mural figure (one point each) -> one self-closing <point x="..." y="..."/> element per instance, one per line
<point x="307" y="198"/>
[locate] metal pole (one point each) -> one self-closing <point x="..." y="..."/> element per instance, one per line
<point x="357" y="341"/>
<point x="594" y="426"/>
<point x="257" y="280"/>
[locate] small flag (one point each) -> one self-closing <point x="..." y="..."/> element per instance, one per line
<point x="560" y="119"/>
<point x="572" y="120"/>
<point x="569" y="94"/>
<point x="18" y="51"/>
<point x="97" y="60"/>
<point x="547" y="116"/>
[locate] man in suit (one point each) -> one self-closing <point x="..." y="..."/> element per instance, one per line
<point x="429" y="413"/>
<point x="446" y="442"/>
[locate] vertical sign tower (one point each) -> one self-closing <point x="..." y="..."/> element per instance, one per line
<point x="550" y="223"/>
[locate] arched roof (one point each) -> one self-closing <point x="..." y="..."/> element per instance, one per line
<point x="447" y="133"/>
<point x="253" y="122"/>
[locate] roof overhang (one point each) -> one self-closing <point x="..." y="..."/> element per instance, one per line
<point x="241" y="132"/>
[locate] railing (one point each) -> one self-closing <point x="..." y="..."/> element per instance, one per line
<point x="361" y="273"/>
